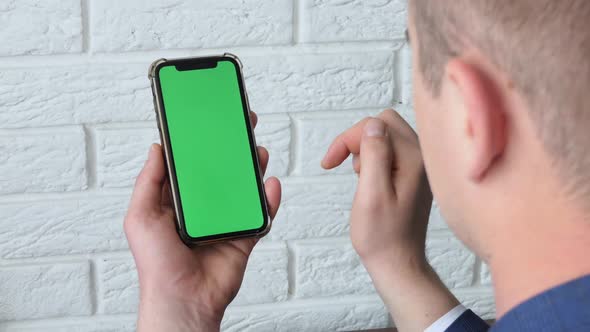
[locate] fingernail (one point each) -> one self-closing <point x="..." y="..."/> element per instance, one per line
<point x="151" y="151"/>
<point x="375" y="128"/>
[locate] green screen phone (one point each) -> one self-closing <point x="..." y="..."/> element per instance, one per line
<point x="210" y="150"/>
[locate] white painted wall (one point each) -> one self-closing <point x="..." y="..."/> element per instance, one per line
<point x="76" y="121"/>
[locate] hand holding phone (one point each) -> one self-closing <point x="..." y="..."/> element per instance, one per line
<point x="215" y="168"/>
<point x="210" y="150"/>
<point x="182" y="288"/>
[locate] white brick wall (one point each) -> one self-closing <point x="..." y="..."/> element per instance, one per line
<point x="48" y="290"/>
<point x="334" y="20"/>
<point x="122" y="26"/>
<point x="40" y="27"/>
<point x="73" y="94"/>
<point x="76" y="120"/>
<point x="42" y="162"/>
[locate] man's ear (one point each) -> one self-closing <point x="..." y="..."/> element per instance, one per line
<point x="483" y="116"/>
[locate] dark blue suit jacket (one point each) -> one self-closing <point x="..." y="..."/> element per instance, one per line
<point x="563" y="308"/>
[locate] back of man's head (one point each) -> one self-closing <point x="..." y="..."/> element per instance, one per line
<point x="543" y="46"/>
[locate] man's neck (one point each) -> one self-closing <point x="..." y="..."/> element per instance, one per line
<point x="552" y="253"/>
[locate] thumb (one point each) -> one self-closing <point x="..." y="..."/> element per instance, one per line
<point x="376" y="161"/>
<point x="147" y="194"/>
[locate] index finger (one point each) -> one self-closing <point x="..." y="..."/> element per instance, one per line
<point x="346" y="143"/>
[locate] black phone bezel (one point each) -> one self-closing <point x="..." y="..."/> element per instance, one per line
<point x="171" y="170"/>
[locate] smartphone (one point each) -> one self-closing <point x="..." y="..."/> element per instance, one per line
<point x="210" y="151"/>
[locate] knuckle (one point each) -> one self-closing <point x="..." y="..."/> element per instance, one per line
<point x="364" y="121"/>
<point x="141" y="178"/>
<point x="370" y="206"/>
<point x="131" y="223"/>
<point x="136" y="219"/>
<point x="141" y="222"/>
<point x="388" y="113"/>
<point x="378" y="148"/>
<point x="391" y="116"/>
<point x="396" y="120"/>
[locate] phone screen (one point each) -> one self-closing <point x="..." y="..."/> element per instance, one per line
<point x="214" y="160"/>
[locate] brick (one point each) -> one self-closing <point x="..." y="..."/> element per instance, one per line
<point x="313" y="209"/>
<point x="97" y="93"/>
<point x="275" y="136"/>
<point x="43" y="291"/>
<point x="485" y="275"/>
<point x="67" y="226"/>
<point x="335" y="316"/>
<point x="266" y="279"/>
<point x="334" y="20"/>
<point x="44" y="162"/>
<point x="329" y="269"/>
<point x="481" y="301"/>
<point x="312" y="82"/>
<point x="121" y="154"/>
<point x="451" y="260"/>
<point x="119" y="288"/>
<point x="40" y="27"/>
<point x="168" y="24"/>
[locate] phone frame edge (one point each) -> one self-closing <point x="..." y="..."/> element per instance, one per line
<point x="158" y="106"/>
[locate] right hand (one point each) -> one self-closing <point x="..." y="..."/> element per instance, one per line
<point x="390" y="216"/>
<point x="391" y="207"/>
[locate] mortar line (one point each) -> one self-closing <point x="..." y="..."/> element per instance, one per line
<point x="85" y="16"/>
<point x="121" y="254"/>
<point x="91" y="157"/>
<point x="293" y="146"/>
<point x="117" y="254"/>
<point x="98" y="193"/>
<point x="42" y="130"/>
<point x="151" y="124"/>
<point x="298" y="34"/>
<point x="69" y="321"/>
<point x="94" y="287"/>
<point x="291" y="270"/>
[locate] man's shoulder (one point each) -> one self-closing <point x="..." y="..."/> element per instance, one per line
<point x="562" y="308"/>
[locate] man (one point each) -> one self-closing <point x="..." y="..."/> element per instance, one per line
<point x="500" y="96"/>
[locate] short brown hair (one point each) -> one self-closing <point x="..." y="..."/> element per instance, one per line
<point x="542" y="45"/>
